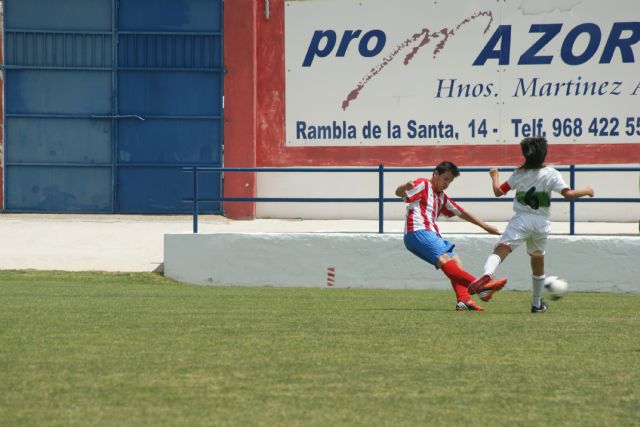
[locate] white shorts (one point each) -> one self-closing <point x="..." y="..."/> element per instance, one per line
<point x="525" y="227"/>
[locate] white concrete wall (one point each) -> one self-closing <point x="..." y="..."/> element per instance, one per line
<point x="588" y="263"/>
<point x="468" y="184"/>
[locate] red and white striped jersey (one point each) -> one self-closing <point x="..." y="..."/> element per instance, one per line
<point x="424" y="206"/>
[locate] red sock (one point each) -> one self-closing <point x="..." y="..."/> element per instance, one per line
<point x="461" y="292"/>
<point x="456" y="274"/>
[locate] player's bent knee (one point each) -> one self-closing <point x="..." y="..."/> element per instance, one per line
<point x="502" y="249"/>
<point x="443" y="259"/>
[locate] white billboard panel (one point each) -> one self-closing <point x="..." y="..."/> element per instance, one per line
<point x="415" y="73"/>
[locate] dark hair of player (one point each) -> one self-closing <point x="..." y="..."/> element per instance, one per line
<point x="445" y="167"/>
<point x="534" y="151"/>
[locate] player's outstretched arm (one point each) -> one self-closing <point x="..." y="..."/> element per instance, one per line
<point x="495" y="182"/>
<point x="468" y="216"/>
<point x="402" y="189"/>
<point x="568" y="193"/>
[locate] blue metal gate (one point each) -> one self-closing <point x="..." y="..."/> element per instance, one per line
<point x="106" y="100"/>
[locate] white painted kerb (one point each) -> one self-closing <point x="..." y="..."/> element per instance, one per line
<point x="588" y="263"/>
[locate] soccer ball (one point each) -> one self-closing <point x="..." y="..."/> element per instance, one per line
<point x="556" y="287"/>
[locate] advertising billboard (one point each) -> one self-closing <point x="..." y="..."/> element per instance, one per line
<point x="475" y="73"/>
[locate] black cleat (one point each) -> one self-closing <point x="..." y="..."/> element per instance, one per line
<point x="541" y="308"/>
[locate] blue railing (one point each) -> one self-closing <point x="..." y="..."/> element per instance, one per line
<point x="381" y="200"/>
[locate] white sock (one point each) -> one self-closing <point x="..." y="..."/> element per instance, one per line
<point x="536" y="289"/>
<point x="492" y="264"/>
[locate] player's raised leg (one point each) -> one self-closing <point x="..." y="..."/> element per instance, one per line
<point x="485" y="286"/>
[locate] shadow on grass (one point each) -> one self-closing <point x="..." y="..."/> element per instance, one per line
<point x="406" y="309"/>
<point x="442" y="310"/>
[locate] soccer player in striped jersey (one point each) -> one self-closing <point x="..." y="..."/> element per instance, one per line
<point x="426" y="201"/>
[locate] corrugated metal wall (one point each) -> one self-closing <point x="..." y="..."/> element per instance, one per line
<point x="105" y="101"/>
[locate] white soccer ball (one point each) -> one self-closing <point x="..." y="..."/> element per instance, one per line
<point x="556" y="287"/>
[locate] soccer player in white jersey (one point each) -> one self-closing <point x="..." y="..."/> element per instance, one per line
<point x="426" y="201"/>
<point x="533" y="183"/>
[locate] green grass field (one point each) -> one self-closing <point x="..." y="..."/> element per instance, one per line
<point x="139" y="349"/>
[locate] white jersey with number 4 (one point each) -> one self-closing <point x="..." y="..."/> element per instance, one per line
<point x="545" y="180"/>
